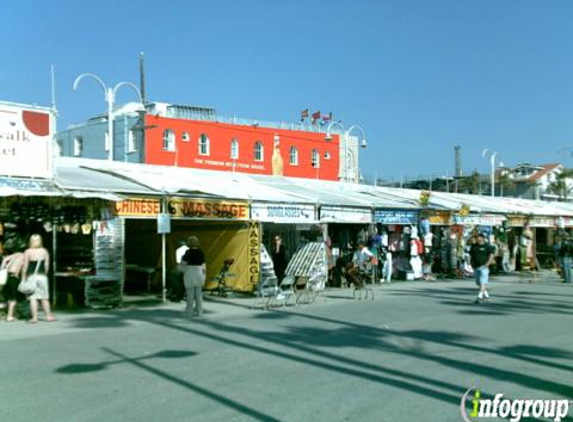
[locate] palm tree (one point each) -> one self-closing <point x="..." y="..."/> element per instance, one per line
<point x="560" y="187"/>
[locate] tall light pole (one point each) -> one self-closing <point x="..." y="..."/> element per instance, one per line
<point x="363" y="144"/>
<point x="110" y="99"/>
<point x="492" y="155"/>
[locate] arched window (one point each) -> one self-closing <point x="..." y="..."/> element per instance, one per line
<point x="259" y="151"/>
<point x="168" y="140"/>
<point x="132" y="141"/>
<point x="203" y="144"/>
<point x="185" y="137"/>
<point x="315" y="159"/>
<point x="293" y="156"/>
<point x="78" y="146"/>
<point x="234" y="149"/>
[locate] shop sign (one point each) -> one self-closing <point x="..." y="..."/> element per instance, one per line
<point x="400" y="217"/>
<point x="479" y="220"/>
<point x="26" y="140"/>
<point x="283" y="213"/>
<point x="254" y="252"/>
<point x="517" y="220"/>
<point x="208" y="209"/>
<point x="565" y="222"/>
<point x="542" y="222"/>
<point x="438" y="218"/>
<point x="163" y="223"/>
<point x="345" y="215"/>
<point x="138" y="207"/>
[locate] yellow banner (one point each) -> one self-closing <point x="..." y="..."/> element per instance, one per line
<point x="208" y="209"/>
<point x="254" y="252"/>
<point x="138" y="207"/>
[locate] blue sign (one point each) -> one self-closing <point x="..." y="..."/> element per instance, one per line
<point x="401" y="217"/>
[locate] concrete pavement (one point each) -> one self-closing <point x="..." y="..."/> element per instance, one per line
<point x="408" y="355"/>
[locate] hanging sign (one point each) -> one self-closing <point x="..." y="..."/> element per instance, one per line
<point x="400" y="217"/>
<point x="438" y="218"/>
<point x="479" y="220"/>
<point x="345" y="215"/>
<point x="138" y="207"/>
<point x="163" y="223"/>
<point x="254" y="252"/>
<point x="517" y="220"/>
<point x="208" y="209"/>
<point x="283" y="213"/>
<point x="26" y="136"/>
<point x="543" y="222"/>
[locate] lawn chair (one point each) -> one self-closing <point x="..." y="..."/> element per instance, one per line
<point x="267" y="289"/>
<point x="285" y="292"/>
<point x="314" y="287"/>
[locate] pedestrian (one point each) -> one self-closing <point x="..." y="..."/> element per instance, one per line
<point x="363" y="259"/>
<point x="176" y="290"/>
<point x="194" y="273"/>
<point x="13" y="263"/>
<point x="566" y="258"/>
<point x="278" y="255"/>
<point x="37" y="264"/>
<point x="481" y="257"/>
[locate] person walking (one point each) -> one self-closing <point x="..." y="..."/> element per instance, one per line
<point x="481" y="257"/>
<point x="566" y="258"/>
<point x="37" y="263"/>
<point x="13" y="263"/>
<point x="194" y="273"/>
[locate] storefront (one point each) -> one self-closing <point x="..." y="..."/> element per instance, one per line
<point x="222" y="226"/>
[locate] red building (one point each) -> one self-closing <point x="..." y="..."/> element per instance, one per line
<point x="244" y="148"/>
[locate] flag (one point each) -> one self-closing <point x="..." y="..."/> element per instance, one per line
<point x="315" y="117"/>
<point x="303" y="115"/>
<point x="326" y="118"/>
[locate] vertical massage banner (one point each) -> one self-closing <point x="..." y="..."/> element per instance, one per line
<point x="26" y="140"/>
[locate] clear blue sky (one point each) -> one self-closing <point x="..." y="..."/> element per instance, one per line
<point x="419" y="76"/>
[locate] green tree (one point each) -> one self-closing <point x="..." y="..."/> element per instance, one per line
<point x="560" y="187"/>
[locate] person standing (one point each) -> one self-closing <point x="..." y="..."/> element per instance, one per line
<point x="566" y="258"/>
<point x="278" y="255"/>
<point x="481" y="257"/>
<point x="194" y="272"/>
<point x="37" y="262"/>
<point x="13" y="264"/>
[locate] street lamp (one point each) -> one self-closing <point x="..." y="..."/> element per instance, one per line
<point x="110" y="98"/>
<point x="492" y="155"/>
<point x="363" y="144"/>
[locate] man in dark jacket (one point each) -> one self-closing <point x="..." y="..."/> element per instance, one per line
<point x="482" y="256"/>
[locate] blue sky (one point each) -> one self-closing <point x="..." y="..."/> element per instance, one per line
<point x="419" y="76"/>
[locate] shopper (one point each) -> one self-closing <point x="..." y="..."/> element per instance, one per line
<point x="481" y="256"/>
<point x="13" y="263"/>
<point x="37" y="263"/>
<point x="194" y="273"/>
<point x="566" y="258"/>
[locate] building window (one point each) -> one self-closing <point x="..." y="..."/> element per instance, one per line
<point x="58" y="148"/>
<point x="168" y="140"/>
<point x="185" y="137"/>
<point x="293" y="156"/>
<point x="78" y="146"/>
<point x="203" y="144"/>
<point x="259" y="151"/>
<point x="106" y="141"/>
<point x="315" y="159"/>
<point x="327" y="155"/>
<point x="131" y="141"/>
<point x="234" y="149"/>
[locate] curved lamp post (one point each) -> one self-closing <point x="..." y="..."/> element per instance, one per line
<point x="110" y="99"/>
<point x="492" y="155"/>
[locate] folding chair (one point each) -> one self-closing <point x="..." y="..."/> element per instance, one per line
<point x="266" y="290"/>
<point x="285" y="292"/>
<point x="314" y="287"/>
